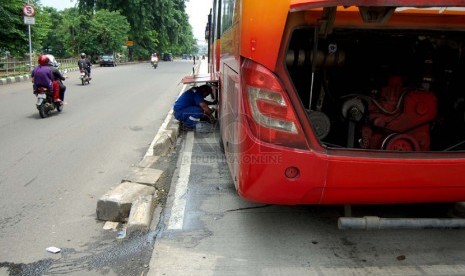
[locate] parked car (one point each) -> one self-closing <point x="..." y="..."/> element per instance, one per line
<point x="154" y="60"/>
<point x="107" y="60"/>
<point x="168" y="57"/>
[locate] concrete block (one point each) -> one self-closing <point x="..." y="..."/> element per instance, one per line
<point x="174" y="128"/>
<point x="146" y="176"/>
<point x="141" y="213"/>
<point x="148" y="161"/>
<point x="116" y="204"/>
<point x="165" y="144"/>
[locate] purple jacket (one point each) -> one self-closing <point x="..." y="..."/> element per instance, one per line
<point x="43" y="77"/>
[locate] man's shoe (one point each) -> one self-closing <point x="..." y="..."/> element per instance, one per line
<point x="186" y="128"/>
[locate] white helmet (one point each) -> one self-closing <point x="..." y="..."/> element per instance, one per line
<point x="52" y="61"/>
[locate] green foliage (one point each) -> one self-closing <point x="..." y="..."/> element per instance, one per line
<point x="13" y="32"/>
<point x="54" y="42"/>
<point x="97" y="27"/>
<point x="105" y="32"/>
<point x="110" y="30"/>
<point x="156" y="25"/>
<point x="42" y="29"/>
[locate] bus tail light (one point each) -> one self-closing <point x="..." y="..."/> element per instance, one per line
<point x="270" y="114"/>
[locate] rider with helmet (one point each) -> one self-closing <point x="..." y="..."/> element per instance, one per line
<point x="42" y="76"/>
<point x="58" y="86"/>
<point x="85" y="64"/>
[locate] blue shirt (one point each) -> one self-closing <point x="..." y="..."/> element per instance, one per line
<point x="191" y="97"/>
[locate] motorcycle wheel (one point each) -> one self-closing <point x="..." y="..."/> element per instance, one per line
<point x="43" y="110"/>
<point x="59" y="107"/>
<point x="83" y="82"/>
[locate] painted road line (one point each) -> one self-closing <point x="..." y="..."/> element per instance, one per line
<point x="176" y="220"/>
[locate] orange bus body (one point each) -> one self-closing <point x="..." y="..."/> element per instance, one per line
<point x="272" y="148"/>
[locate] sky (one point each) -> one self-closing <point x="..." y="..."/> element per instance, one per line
<point x="197" y="10"/>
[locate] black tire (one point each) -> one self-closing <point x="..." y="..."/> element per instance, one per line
<point x="83" y="82"/>
<point x="42" y="110"/>
<point x="60" y="107"/>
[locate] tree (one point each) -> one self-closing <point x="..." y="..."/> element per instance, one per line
<point x="41" y="29"/>
<point x="99" y="26"/>
<point x="13" y="32"/>
<point x="108" y="31"/>
<point x="54" y="43"/>
<point x="156" y="25"/>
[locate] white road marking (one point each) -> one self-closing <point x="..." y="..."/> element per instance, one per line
<point x="176" y="220"/>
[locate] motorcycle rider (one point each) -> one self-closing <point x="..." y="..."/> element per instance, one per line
<point x="42" y="76"/>
<point x="85" y="64"/>
<point x="58" y="87"/>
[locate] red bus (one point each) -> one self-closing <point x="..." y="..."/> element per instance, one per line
<point x="341" y="102"/>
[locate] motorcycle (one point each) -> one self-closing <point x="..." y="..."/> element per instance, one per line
<point x="84" y="77"/>
<point x="154" y="60"/>
<point x="45" y="103"/>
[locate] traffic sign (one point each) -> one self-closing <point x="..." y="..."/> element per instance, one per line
<point x="28" y="10"/>
<point x="29" y="20"/>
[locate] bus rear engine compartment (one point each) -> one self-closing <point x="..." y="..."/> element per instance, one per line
<point x="382" y="89"/>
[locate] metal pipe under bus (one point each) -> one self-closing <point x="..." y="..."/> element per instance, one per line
<point x="377" y="223"/>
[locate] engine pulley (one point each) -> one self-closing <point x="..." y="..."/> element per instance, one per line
<point x="400" y="142"/>
<point x="353" y="109"/>
<point x="320" y="123"/>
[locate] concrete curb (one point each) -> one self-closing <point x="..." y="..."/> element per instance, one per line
<point x="10" y="80"/>
<point x="116" y="204"/>
<point x="139" y="216"/>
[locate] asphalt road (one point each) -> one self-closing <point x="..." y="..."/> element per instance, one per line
<point x="53" y="170"/>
